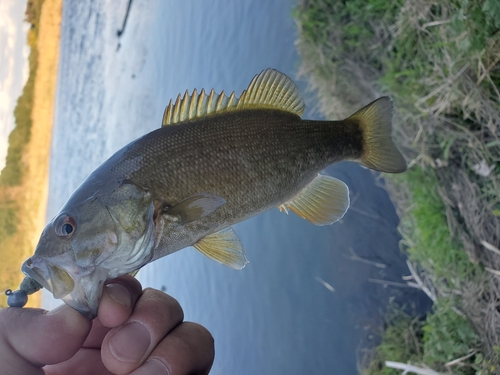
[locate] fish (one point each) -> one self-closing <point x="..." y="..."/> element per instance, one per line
<point x="215" y="161"/>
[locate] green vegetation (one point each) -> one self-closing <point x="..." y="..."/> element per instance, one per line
<point x="12" y="238"/>
<point x="8" y="216"/>
<point x="11" y="174"/>
<point x="401" y="342"/>
<point x="426" y="230"/>
<point x="442" y="338"/>
<point x="447" y="336"/>
<point x="439" y="61"/>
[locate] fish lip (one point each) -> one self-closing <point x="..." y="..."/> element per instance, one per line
<point x="49" y="274"/>
<point x="37" y="269"/>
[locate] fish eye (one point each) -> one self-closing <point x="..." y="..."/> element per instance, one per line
<point x="65" y="226"/>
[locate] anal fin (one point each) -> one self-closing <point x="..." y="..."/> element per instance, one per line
<point x="223" y="247"/>
<point x="323" y="201"/>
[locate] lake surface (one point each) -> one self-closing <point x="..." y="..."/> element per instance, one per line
<point x="304" y="304"/>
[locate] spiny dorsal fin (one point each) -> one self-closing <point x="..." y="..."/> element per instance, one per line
<point x="269" y="89"/>
<point x="197" y="105"/>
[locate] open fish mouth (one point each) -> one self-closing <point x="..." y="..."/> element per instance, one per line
<point x="50" y="276"/>
<point x="79" y="288"/>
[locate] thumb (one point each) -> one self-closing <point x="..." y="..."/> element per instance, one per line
<point x="32" y="338"/>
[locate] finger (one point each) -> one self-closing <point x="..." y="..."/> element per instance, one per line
<point x="154" y="315"/>
<point x="117" y="301"/>
<point x="85" y="362"/>
<point x="97" y="333"/>
<point x="115" y="307"/>
<point x="188" y="349"/>
<point x="31" y="338"/>
<point x="118" y="298"/>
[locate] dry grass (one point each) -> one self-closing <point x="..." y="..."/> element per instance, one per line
<point x="461" y="111"/>
<point x="31" y="196"/>
<point x="440" y="61"/>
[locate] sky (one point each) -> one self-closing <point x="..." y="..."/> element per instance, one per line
<point x="14" y="53"/>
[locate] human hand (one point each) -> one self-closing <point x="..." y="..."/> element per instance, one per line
<point x="136" y="331"/>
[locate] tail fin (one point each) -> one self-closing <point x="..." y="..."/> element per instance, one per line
<point x="379" y="152"/>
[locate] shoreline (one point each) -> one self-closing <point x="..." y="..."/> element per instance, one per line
<point x="34" y="188"/>
<point x="452" y="246"/>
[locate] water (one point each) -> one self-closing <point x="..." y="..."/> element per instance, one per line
<point x="276" y="316"/>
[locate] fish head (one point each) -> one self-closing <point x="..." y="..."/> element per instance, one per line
<point x="96" y="237"/>
<point x="71" y="252"/>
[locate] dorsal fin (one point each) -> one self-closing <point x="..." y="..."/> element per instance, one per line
<point x="273" y="89"/>
<point x="197" y="105"/>
<point x="269" y="89"/>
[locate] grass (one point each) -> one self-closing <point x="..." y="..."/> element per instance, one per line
<point x="426" y="230"/>
<point x="447" y="336"/>
<point x="11" y="174"/>
<point x="23" y="180"/>
<point x="439" y="61"/>
<point x="432" y="343"/>
<point x="8" y="218"/>
<point x="401" y="342"/>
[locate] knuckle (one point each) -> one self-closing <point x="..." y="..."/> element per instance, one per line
<point x="167" y="302"/>
<point x="201" y="331"/>
<point x="131" y="283"/>
<point x="200" y="335"/>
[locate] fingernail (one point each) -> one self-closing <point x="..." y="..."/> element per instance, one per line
<point x="152" y="366"/>
<point x="130" y="343"/>
<point x="120" y="294"/>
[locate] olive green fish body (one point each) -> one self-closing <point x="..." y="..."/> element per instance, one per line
<point x="254" y="159"/>
<point x="217" y="160"/>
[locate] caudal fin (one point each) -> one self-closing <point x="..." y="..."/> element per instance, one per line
<point x="379" y="152"/>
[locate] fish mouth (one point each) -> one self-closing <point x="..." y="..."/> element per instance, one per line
<point x="78" y="287"/>
<point x="51" y="277"/>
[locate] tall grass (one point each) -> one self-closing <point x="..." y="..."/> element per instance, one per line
<point x="439" y="60"/>
<point x="14" y="234"/>
<point x="11" y="174"/>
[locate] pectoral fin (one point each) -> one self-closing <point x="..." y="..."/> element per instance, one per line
<point x="323" y="201"/>
<point x="224" y="247"/>
<point x="195" y="207"/>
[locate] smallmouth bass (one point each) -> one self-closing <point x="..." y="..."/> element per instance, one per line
<point x="217" y="160"/>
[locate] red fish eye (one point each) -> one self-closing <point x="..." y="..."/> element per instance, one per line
<point x="65" y="226"/>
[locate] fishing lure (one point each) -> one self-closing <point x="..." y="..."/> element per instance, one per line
<point x="19" y="298"/>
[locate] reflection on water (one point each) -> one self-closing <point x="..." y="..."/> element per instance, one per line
<point x="273" y="316"/>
